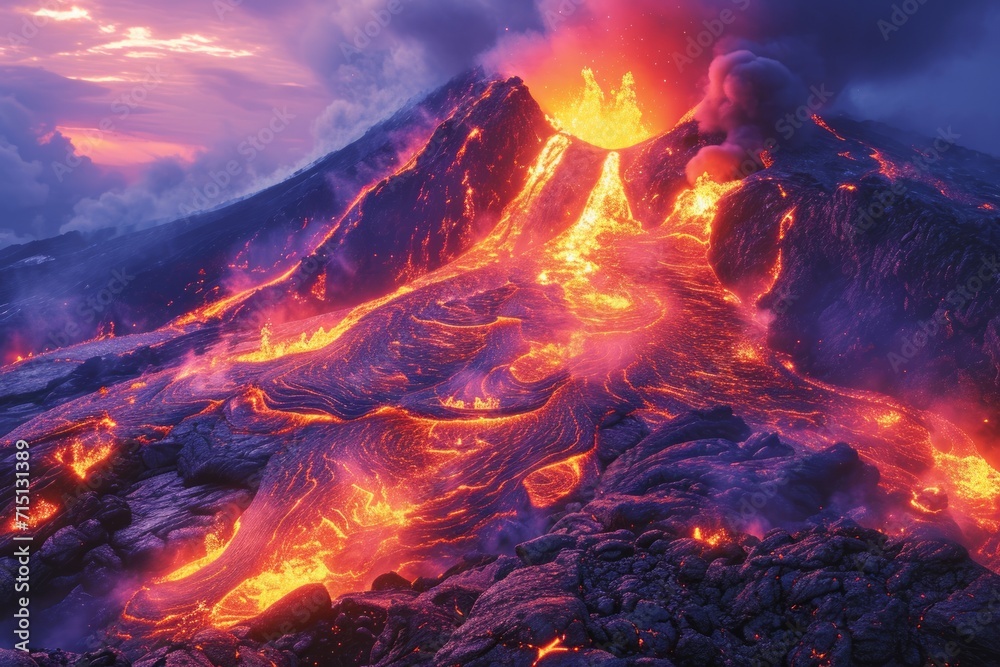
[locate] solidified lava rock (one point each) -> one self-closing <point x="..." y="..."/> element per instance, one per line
<point x="658" y="569"/>
<point x="888" y="272"/>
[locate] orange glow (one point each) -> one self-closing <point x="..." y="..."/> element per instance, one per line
<point x="711" y="539"/>
<point x="613" y="38"/>
<point x="610" y="121"/>
<point x="700" y="203"/>
<point x="315" y="557"/>
<point x="917" y="505"/>
<point x="215" y="544"/>
<point x="81" y="458"/>
<point x="39" y="512"/>
<point x="886" y="167"/>
<point x="118" y="149"/>
<point x="477" y="404"/>
<point x="972" y="479"/>
<point x="317" y="340"/>
<point x="541" y="361"/>
<point x="822" y="123"/>
<point x="255" y="398"/>
<point x="601" y="301"/>
<point x="555" y="646"/>
<point x="888" y="419"/>
<point x="550" y="484"/>
<point x="319" y="287"/>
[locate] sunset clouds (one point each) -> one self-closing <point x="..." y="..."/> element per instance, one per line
<point x="115" y="112"/>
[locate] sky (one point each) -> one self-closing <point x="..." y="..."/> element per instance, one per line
<point x="116" y="113"/>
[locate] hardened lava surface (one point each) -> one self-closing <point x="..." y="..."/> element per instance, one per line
<point x="641" y="569"/>
<point x="503" y="423"/>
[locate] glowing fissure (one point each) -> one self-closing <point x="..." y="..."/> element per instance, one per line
<point x="431" y="418"/>
<point x="610" y="121"/>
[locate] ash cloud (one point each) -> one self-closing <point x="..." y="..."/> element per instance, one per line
<point x="35" y="199"/>
<point x="889" y="61"/>
<point x="745" y="94"/>
<point x="762" y="70"/>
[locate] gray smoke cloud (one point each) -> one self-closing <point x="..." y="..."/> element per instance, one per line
<point x="773" y="64"/>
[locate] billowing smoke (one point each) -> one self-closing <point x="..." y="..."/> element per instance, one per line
<point x="792" y="58"/>
<point x="745" y="95"/>
<point x="880" y="59"/>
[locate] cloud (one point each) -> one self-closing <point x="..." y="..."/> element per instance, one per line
<point x="373" y="55"/>
<point x="744" y="97"/>
<point x="36" y="198"/>
<point x="342" y="66"/>
<point x="762" y="69"/>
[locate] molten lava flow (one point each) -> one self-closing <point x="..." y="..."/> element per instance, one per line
<point x="215" y="544"/>
<point x="81" y="458"/>
<point x="478" y="404"/>
<point x="610" y="121"/>
<point x="317" y="340"/>
<point x="550" y="484"/>
<point x="695" y="208"/>
<point x="39" y="512"/>
<point x="711" y="539"/>
<point x="555" y="646"/>
<point x="885" y="166"/>
<point x="430" y="422"/>
<point x="823" y="124"/>
<point x="591" y="287"/>
<point x="315" y="552"/>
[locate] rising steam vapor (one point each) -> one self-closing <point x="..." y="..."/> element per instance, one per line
<point x="746" y="96"/>
<point x="361" y="62"/>
<point x="763" y="65"/>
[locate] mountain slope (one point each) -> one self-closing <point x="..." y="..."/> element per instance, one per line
<point x="535" y="368"/>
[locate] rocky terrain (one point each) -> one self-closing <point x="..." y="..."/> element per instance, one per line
<point x="622" y="577"/>
<point x="451" y="396"/>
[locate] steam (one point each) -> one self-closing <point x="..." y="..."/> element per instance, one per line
<point x="771" y="60"/>
<point x="745" y="98"/>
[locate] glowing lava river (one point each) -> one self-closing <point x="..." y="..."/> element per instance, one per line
<point x="439" y="419"/>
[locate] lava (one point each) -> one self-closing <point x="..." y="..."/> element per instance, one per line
<point x="555" y="646"/>
<point x="823" y="124"/>
<point x="712" y="539"/>
<point x="420" y="425"/>
<point x="549" y="484"/>
<point x="40" y="512"/>
<point x="612" y="120"/>
<point x="81" y="458"/>
<point x="215" y="544"/>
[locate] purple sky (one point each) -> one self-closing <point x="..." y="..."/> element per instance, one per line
<point x="115" y="112"/>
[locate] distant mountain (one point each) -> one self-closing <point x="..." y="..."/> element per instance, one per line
<point x="473" y="391"/>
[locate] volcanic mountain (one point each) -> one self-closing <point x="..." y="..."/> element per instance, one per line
<point x="474" y="391"/>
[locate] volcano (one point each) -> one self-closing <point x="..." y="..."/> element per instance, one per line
<point x="472" y="391"/>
